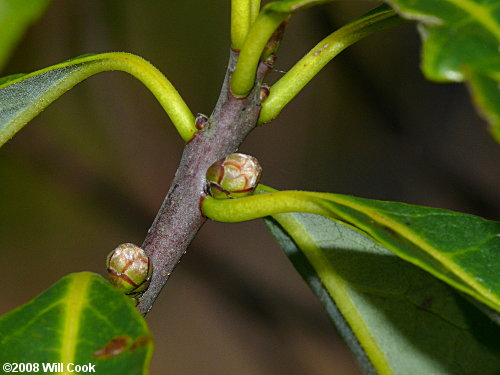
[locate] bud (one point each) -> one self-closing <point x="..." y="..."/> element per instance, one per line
<point x="129" y="269"/>
<point x="201" y="121"/>
<point x="265" y="90"/>
<point x="237" y="175"/>
<point x="273" y="43"/>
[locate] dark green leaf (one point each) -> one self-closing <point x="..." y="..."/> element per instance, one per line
<point x="405" y="320"/>
<point x="15" y="17"/>
<point x="461" y="249"/>
<point x="460" y="43"/>
<point x="81" y="319"/>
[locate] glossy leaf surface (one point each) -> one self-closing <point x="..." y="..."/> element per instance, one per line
<point x="23" y="96"/>
<point x="461" y="249"/>
<point x="396" y="318"/>
<point x="460" y="43"/>
<point x="15" y="17"/>
<point x="81" y="319"/>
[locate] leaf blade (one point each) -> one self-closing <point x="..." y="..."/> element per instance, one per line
<point x="25" y="96"/>
<point x="403" y="318"/>
<point x="81" y="319"/>
<point x="460" y="44"/>
<point x="425" y="245"/>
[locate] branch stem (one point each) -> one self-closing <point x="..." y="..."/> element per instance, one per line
<point x="180" y="217"/>
<point x="234" y="117"/>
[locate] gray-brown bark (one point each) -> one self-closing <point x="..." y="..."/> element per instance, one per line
<point x="179" y="217"/>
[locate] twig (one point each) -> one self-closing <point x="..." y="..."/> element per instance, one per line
<point x="180" y="218"/>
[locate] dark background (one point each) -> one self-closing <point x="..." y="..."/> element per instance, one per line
<point x="91" y="171"/>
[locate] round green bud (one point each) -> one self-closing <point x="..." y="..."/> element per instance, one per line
<point x="237" y="175"/>
<point x="129" y="269"/>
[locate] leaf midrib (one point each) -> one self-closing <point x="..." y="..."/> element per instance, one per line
<point x="322" y="266"/>
<point x="75" y="302"/>
<point x="421" y="243"/>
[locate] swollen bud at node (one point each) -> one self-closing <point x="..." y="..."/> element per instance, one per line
<point x="129" y="269"/>
<point x="265" y="90"/>
<point x="201" y="121"/>
<point x="237" y="175"/>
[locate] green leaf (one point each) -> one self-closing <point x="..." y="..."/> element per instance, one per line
<point x="396" y="318"/>
<point x="15" y="17"/>
<point x="460" y="43"/>
<point x="22" y="97"/>
<point x="460" y="249"/>
<point x="486" y="94"/>
<point x="81" y="319"/>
